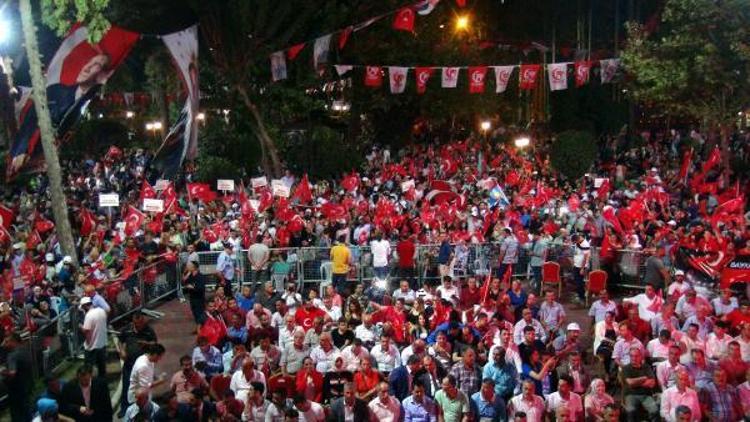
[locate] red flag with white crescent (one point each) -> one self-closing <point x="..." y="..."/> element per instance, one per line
<point x="527" y="78"/>
<point x="133" y="220"/>
<point x="6" y="216"/>
<point x="476" y="79"/>
<point x="422" y="75"/>
<point x="404" y="20"/>
<point x="582" y="70"/>
<point x="373" y="76"/>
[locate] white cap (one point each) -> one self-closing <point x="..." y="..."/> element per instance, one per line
<point x="679" y="272"/>
<point x="84" y="301"/>
<point x="654" y="169"/>
<point x="672" y="223"/>
<point x="573" y="326"/>
<point x="18" y="245"/>
<point x="67" y="260"/>
<point x="49" y="257"/>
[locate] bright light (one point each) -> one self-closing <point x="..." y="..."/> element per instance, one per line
<point x="486" y="125"/>
<point x="157" y="126"/>
<point x="340" y="105"/>
<point x="149" y="126"/>
<point x="201" y="116"/>
<point x="129" y="114"/>
<point x="522" y="142"/>
<point x="462" y="23"/>
<point x="5" y="31"/>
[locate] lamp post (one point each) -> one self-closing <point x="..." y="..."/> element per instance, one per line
<point x="522" y="142"/>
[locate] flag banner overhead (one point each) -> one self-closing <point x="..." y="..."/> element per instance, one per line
<point x="527" y="78"/>
<point x="477" y="79"/>
<point x="609" y="69"/>
<point x="397" y="77"/>
<point x="181" y="141"/>
<point x="422" y="75"/>
<point x="582" y="70"/>
<point x="450" y="77"/>
<point x="502" y="75"/>
<point x="558" y="76"/>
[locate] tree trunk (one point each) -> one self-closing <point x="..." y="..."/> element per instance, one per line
<point x="724" y="148"/>
<point x="54" y="173"/>
<point x="273" y="165"/>
<point x="163" y="104"/>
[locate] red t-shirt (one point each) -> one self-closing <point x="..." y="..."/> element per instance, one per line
<point x="405" y="250"/>
<point x="304" y="318"/>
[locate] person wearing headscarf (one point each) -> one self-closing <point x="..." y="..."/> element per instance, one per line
<point x="595" y="401"/>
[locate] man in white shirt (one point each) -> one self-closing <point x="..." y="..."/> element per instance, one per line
<point x="448" y="291"/>
<point x="324" y="353"/>
<point x="354" y="354"/>
<point x="309" y="411"/>
<point x="600" y="308"/>
<point x="679" y="286"/>
<point x="288" y="330"/>
<point x="142" y="375"/>
<point x="384" y="408"/>
<point x="725" y="303"/>
<point x="563" y="397"/>
<point x="405" y="292"/>
<point x="658" y="348"/>
<point x="333" y="311"/>
<point x="551" y="313"/>
<point x="386" y="355"/>
<point x="527" y="320"/>
<point x="527" y="402"/>
<point x="666" y="371"/>
<point x="680" y="395"/>
<point x="649" y="303"/>
<point x="621" y="351"/>
<point x="241" y="382"/>
<point x="381" y="250"/>
<point x="717" y="343"/>
<point x="365" y="331"/>
<point x="95" y="335"/>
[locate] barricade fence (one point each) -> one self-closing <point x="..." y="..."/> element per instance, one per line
<point x="310" y="267"/>
<point x="49" y="342"/>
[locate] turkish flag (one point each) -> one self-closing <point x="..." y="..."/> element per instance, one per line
<point x="333" y="211"/>
<point x="147" y="192"/>
<point x="294" y="51"/>
<point x="266" y="199"/>
<point x="33" y="240"/>
<point x="477" y="76"/>
<point x="201" y="191"/>
<point x="527" y="77"/>
<point x="88" y="222"/>
<point x="573" y="203"/>
<point x="133" y="220"/>
<point x="603" y="189"/>
<point x="350" y="182"/>
<point x="404" y="20"/>
<point x="373" y="76"/>
<point x="6" y="216"/>
<point x="713" y="159"/>
<point x="422" y="75"/>
<point x="113" y="153"/>
<point x="609" y="216"/>
<point x="42" y="225"/>
<point x="583" y="70"/>
<point x="303" y="192"/>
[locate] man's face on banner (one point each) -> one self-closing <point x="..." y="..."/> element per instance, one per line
<point x="93" y="70"/>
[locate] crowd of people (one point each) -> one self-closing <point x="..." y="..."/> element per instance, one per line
<point x="459" y="346"/>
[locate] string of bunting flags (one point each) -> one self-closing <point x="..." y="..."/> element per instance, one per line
<point x="557" y="74"/>
<point x="403" y="20"/>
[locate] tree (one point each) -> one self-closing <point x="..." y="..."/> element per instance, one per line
<point x="573" y="153"/>
<point x="696" y="65"/>
<point x="49" y="147"/>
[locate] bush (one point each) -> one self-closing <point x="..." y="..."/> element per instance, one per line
<point x="573" y="153"/>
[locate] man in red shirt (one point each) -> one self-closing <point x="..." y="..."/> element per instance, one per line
<point x="738" y="317"/>
<point x="307" y="313"/>
<point x="470" y="295"/>
<point x="406" y="251"/>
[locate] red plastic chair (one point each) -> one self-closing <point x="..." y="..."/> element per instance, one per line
<point x="551" y="275"/>
<point x="596" y="283"/>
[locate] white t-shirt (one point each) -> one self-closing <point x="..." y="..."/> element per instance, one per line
<point x="574" y="404"/>
<point x="142" y="376"/>
<point x="96" y="321"/>
<point x="314" y="414"/>
<point x="380" y="251"/>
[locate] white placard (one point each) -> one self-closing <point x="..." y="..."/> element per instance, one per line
<point x="161" y="184"/>
<point x="280" y="189"/>
<point x="259" y="182"/>
<point x="153" y="205"/>
<point x="225" y="185"/>
<point x="109" y="200"/>
<point x="598" y="181"/>
<point x="405" y="186"/>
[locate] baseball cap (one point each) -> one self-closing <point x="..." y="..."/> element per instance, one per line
<point x="573" y="326"/>
<point x="84" y="301"/>
<point x="679" y="272"/>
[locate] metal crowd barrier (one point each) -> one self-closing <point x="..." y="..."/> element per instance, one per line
<point x="145" y="288"/>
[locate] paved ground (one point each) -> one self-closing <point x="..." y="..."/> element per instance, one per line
<point x="176" y="332"/>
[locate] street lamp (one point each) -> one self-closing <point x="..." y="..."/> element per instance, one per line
<point x="200" y="116"/>
<point x="129" y="114"/>
<point x="522" y="142"/>
<point x="486" y="125"/>
<point x="462" y="23"/>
